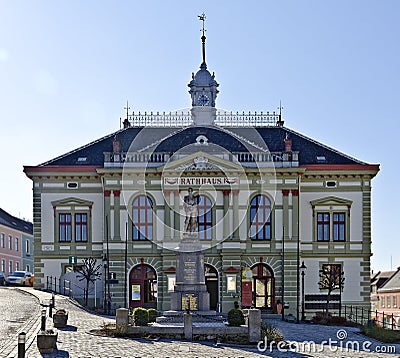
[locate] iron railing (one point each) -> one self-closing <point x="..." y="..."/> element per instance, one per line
<point x="363" y="316"/>
<point x="223" y="119"/>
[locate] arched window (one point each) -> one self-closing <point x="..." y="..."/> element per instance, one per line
<point x="205" y="218"/>
<point x="260" y="218"/>
<point x="142" y="218"/>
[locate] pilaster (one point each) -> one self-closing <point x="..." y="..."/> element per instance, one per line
<point x="117" y="208"/>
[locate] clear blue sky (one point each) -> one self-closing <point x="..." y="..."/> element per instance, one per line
<point x="67" y="69"/>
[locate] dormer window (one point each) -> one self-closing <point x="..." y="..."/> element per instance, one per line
<point x="321" y="159"/>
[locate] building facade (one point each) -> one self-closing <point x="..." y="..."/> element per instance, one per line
<point x="14" y="235"/>
<point x="269" y="199"/>
<point x="387" y="307"/>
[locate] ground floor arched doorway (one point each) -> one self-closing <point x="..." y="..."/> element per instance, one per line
<point x="211" y="275"/>
<point x="143" y="287"/>
<point x="263" y="290"/>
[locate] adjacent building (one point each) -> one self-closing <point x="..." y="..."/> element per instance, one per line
<point x="16" y="240"/>
<point x="387" y="304"/>
<point x="269" y="198"/>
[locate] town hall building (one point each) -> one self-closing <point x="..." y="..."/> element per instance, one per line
<point x="269" y="199"/>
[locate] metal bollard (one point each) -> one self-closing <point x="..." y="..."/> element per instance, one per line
<point x="43" y="325"/>
<point x="51" y="309"/>
<point x="21" y="345"/>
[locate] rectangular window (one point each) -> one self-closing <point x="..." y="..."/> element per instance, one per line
<point x="394" y="301"/>
<point x="323" y="226"/>
<point x="332" y="274"/>
<point x="3" y="265"/>
<point x="65" y="227"/>
<point x="339" y="226"/>
<point x="28" y="268"/>
<point x="10" y="267"/>
<point x="388" y="301"/>
<point x="3" y="241"/>
<point x="17" y="266"/>
<point x="28" y="247"/>
<point x="10" y="240"/>
<point x="382" y="302"/>
<point x="17" y="244"/>
<point x="80" y="227"/>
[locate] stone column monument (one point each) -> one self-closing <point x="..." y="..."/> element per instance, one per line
<point x="190" y="291"/>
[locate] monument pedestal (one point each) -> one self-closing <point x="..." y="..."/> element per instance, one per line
<point x="190" y="287"/>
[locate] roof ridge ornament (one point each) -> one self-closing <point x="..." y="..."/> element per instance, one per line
<point x="202" y="18"/>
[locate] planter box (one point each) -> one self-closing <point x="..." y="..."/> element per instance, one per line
<point x="60" y="320"/>
<point x="47" y="341"/>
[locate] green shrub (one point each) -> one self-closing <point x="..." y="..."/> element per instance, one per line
<point x="152" y="314"/>
<point x="272" y="333"/>
<point x="327" y="319"/>
<point x="235" y="317"/>
<point x="381" y="334"/>
<point x="140" y="316"/>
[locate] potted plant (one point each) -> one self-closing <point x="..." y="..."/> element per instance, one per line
<point x="60" y="318"/>
<point x="47" y="341"/>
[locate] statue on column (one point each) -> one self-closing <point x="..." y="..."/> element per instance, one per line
<point x="190" y="203"/>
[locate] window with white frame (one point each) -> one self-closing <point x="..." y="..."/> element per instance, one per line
<point x="16" y="244"/>
<point x="3" y="265"/>
<point x="10" y="242"/>
<point x="260" y="218"/>
<point x="27" y="247"/>
<point x="142" y="218"/>
<point x="331" y="217"/>
<point x="394" y="301"/>
<point x="72" y="220"/>
<point x="3" y="240"/>
<point x="28" y="268"/>
<point x="388" y="299"/>
<point x="10" y="267"/>
<point x="17" y="266"/>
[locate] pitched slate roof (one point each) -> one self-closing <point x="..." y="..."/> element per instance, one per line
<point x="381" y="277"/>
<point x="392" y="284"/>
<point x="15" y="223"/>
<point x="173" y="139"/>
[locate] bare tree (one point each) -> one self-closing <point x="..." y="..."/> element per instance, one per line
<point x="90" y="272"/>
<point x="331" y="278"/>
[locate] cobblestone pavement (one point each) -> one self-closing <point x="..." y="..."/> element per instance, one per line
<point x="76" y="341"/>
<point x="18" y="312"/>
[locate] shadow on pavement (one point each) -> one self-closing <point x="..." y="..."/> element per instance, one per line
<point x="56" y="354"/>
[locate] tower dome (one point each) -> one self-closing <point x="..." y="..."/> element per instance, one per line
<point x="203" y="86"/>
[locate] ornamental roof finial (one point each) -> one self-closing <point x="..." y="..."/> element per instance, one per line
<point x="202" y="18"/>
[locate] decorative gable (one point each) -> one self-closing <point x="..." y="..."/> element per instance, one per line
<point x="72" y="202"/>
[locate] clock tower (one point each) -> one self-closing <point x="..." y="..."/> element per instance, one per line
<point x="203" y="90"/>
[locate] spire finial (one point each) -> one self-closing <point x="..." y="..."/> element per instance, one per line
<point x="127" y="109"/>
<point x="280" y="109"/>
<point x="126" y="120"/>
<point x="280" y="122"/>
<point x="202" y="18"/>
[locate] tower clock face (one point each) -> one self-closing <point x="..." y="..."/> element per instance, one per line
<point x="203" y="100"/>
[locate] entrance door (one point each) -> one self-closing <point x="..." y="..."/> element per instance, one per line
<point x="143" y="287"/>
<point x="263" y="287"/>
<point x="211" y="275"/>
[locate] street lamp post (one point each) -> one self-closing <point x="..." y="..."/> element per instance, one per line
<point x="105" y="265"/>
<point x="302" y="269"/>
